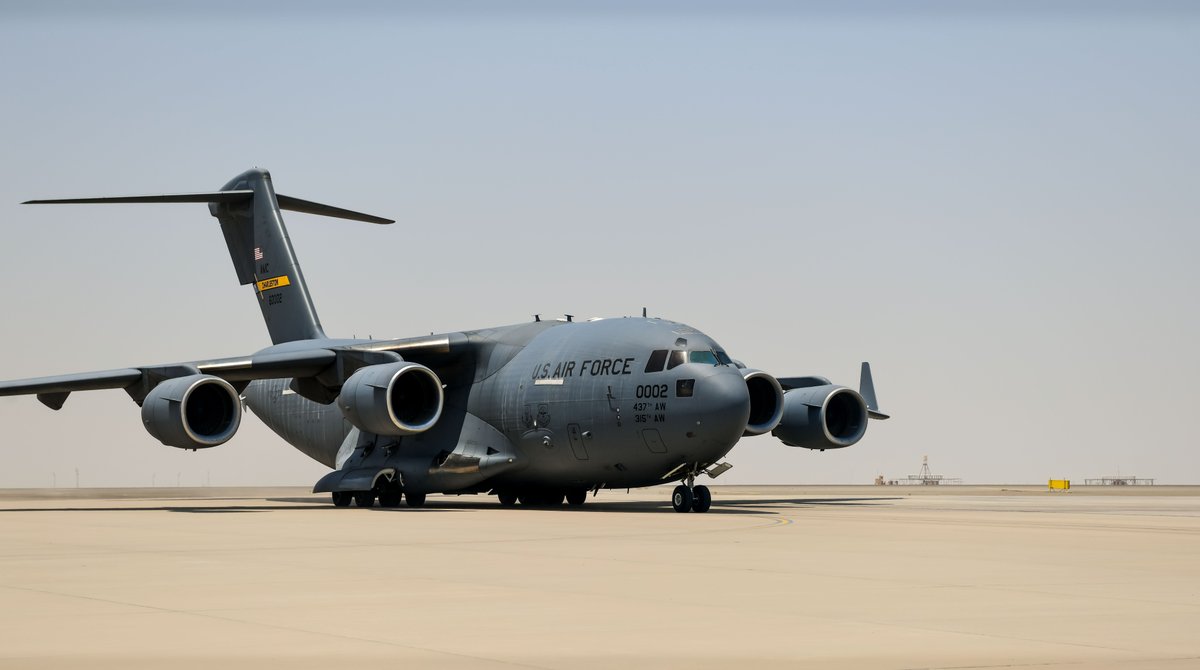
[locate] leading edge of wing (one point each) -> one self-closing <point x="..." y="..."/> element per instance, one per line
<point x="299" y="363"/>
<point x="53" y="391"/>
<point x="81" y="381"/>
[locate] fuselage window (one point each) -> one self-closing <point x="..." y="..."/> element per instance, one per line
<point x="706" y="357"/>
<point x="657" y="359"/>
<point x="677" y="358"/>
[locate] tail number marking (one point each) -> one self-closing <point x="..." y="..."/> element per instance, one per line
<point x="651" y="391"/>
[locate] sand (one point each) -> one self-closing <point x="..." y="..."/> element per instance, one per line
<point x="795" y="577"/>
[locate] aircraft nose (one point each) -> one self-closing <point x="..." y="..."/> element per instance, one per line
<point x="724" y="403"/>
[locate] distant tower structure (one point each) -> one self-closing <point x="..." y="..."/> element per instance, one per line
<point x="926" y="478"/>
<point x="1120" y="480"/>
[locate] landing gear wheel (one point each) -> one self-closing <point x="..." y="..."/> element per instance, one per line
<point x="576" y="497"/>
<point x="364" y="498"/>
<point x="507" y="499"/>
<point x="682" y="499"/>
<point x="389" y="498"/>
<point x="415" y="499"/>
<point x="527" y="499"/>
<point x="703" y="499"/>
<point x="342" y="499"/>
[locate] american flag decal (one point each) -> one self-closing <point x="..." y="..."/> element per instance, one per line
<point x="258" y="254"/>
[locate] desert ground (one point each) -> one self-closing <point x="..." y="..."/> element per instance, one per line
<point x="795" y="577"/>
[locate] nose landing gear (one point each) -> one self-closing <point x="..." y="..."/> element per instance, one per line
<point x="690" y="498"/>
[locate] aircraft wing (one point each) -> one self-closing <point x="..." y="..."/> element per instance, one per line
<point x="866" y="388"/>
<point x="331" y="361"/>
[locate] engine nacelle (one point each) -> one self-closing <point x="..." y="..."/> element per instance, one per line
<point x="194" y="412"/>
<point x="392" y="399"/>
<point x="822" y="417"/>
<point x="766" y="402"/>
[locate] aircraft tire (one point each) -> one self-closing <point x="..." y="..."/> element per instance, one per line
<point x="576" y="497"/>
<point x="364" y="498"/>
<point x="682" y="499"/>
<point x="389" y="498"/>
<point x="703" y="499"/>
<point x="507" y="499"/>
<point x="415" y="499"/>
<point x="342" y="499"/>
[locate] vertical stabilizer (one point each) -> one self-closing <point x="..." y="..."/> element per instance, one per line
<point x="263" y="256"/>
<point x="248" y="209"/>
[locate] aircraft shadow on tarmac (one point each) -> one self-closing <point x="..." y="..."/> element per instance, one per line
<point x="767" y="506"/>
<point x="761" y="506"/>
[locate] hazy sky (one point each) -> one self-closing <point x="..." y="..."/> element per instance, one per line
<point x="997" y="205"/>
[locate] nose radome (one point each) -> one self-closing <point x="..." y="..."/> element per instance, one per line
<point x="725" y="403"/>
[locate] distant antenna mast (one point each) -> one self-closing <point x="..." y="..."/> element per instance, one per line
<point x="643" y="312"/>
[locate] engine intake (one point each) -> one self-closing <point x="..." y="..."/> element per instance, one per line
<point x="822" y="417"/>
<point x="194" y="412"/>
<point x="766" y="402"/>
<point x="392" y="399"/>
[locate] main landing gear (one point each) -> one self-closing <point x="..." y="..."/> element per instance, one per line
<point x="690" y="498"/>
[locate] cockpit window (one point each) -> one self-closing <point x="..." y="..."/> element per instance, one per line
<point x="677" y="358"/>
<point x="723" y="358"/>
<point x="657" y="359"/>
<point x="706" y="357"/>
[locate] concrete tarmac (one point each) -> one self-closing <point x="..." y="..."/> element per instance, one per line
<point x="787" y="577"/>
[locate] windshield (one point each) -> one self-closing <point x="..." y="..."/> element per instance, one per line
<point x="703" y="357"/>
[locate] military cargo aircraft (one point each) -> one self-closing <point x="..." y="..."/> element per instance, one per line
<point x="540" y="413"/>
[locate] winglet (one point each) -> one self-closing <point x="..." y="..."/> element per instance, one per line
<point x="866" y="388"/>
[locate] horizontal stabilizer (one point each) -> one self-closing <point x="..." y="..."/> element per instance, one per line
<point x="297" y="205"/>
<point x="285" y="202"/>
<point x="214" y="196"/>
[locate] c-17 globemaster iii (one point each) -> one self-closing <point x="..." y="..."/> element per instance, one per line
<point x="538" y="412"/>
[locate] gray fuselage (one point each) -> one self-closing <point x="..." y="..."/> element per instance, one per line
<point x="606" y="403"/>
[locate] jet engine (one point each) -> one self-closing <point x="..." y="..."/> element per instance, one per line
<point x="822" y="417"/>
<point x="392" y="399"/>
<point x="194" y="412"/>
<point x="766" y="402"/>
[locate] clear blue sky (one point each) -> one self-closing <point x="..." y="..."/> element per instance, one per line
<point x="995" y="203"/>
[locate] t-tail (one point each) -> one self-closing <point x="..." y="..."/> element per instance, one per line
<point x="249" y="211"/>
